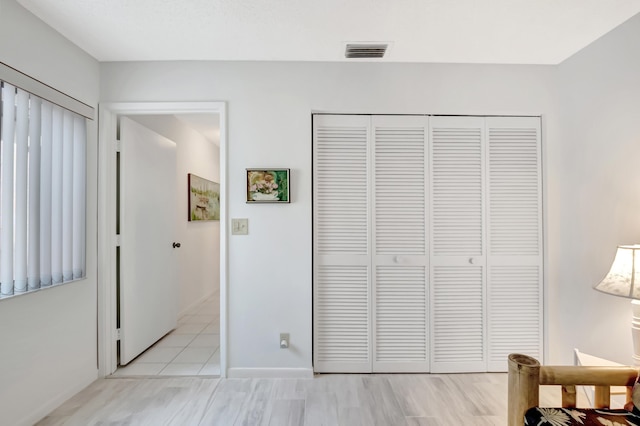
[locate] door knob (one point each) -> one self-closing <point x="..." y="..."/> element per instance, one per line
<point x="471" y="260"/>
<point x="176" y="245"/>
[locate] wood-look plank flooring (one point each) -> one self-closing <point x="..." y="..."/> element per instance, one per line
<point x="330" y="399"/>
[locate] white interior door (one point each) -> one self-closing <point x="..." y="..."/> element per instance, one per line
<point x="458" y="272"/>
<point x="514" y="245"/>
<point x="400" y="237"/>
<point x="148" y="285"/>
<point x="342" y="261"/>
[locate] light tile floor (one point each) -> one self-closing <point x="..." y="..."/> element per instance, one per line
<point x="192" y="349"/>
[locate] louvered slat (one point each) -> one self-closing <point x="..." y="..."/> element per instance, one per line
<point x="401" y="320"/>
<point x="457" y="191"/>
<point x="514" y="188"/>
<point x="342" y="318"/>
<point x="399" y="179"/>
<point x="458" y="320"/>
<point x="515" y="315"/>
<point x="340" y="185"/>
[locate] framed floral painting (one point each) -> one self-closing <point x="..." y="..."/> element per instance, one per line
<point x="268" y="186"/>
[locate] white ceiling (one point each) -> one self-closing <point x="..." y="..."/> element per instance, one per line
<point x="467" y="31"/>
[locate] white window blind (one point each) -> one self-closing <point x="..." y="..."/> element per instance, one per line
<point x="42" y="193"/>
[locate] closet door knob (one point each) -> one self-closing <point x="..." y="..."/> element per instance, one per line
<point x="396" y="259"/>
<point x="471" y="260"/>
<point x="176" y="245"/>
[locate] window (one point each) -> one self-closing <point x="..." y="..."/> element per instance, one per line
<point x="42" y="193"/>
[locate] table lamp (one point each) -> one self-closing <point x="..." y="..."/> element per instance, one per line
<point x="623" y="280"/>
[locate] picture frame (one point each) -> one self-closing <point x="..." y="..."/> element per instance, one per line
<point x="204" y="199"/>
<point x="268" y="186"/>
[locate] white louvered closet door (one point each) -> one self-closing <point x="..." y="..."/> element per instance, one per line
<point x="458" y="273"/>
<point x="400" y="258"/>
<point x="342" y="255"/>
<point x="514" y="239"/>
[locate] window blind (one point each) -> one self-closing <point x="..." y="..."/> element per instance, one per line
<point x="42" y="193"/>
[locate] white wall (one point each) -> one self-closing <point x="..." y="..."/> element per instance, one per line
<point x="31" y="46"/>
<point x="594" y="175"/>
<point x="269" y="125"/>
<point x="48" y="338"/>
<point x="199" y="254"/>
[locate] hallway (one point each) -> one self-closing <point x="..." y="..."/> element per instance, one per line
<point x="192" y="349"/>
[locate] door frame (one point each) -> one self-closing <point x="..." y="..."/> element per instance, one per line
<point x="106" y="296"/>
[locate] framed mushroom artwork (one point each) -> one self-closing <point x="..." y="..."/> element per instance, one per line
<point x="268" y="186"/>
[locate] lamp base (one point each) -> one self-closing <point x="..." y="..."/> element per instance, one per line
<point x="635" y="330"/>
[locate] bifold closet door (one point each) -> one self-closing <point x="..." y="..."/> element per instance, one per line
<point x="458" y="272"/>
<point x="400" y="258"/>
<point x="342" y="255"/>
<point x="514" y="239"/>
<point x="486" y="245"/>
<point x="427" y="242"/>
<point x="370" y="244"/>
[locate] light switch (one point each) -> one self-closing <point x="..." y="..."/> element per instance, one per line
<point x="239" y="226"/>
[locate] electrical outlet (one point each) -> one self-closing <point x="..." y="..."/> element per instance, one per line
<point x="284" y="340"/>
<point x="239" y="226"/>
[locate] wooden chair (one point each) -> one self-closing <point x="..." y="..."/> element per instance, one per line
<point x="526" y="375"/>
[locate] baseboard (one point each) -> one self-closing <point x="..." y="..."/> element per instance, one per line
<point x="45" y="409"/>
<point x="270" y="373"/>
<point x="194" y="304"/>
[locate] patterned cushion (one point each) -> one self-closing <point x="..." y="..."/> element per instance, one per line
<point x="580" y="416"/>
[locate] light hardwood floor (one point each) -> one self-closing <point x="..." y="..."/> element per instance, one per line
<point x="332" y="399"/>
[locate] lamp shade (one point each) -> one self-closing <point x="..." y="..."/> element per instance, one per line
<point x="624" y="277"/>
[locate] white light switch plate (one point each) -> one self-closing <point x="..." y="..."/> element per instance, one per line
<point x="239" y="226"/>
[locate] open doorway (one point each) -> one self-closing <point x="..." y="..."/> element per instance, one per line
<point x="195" y="345"/>
<point x="192" y="346"/>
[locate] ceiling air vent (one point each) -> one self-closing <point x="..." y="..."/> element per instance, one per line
<point x="361" y="50"/>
